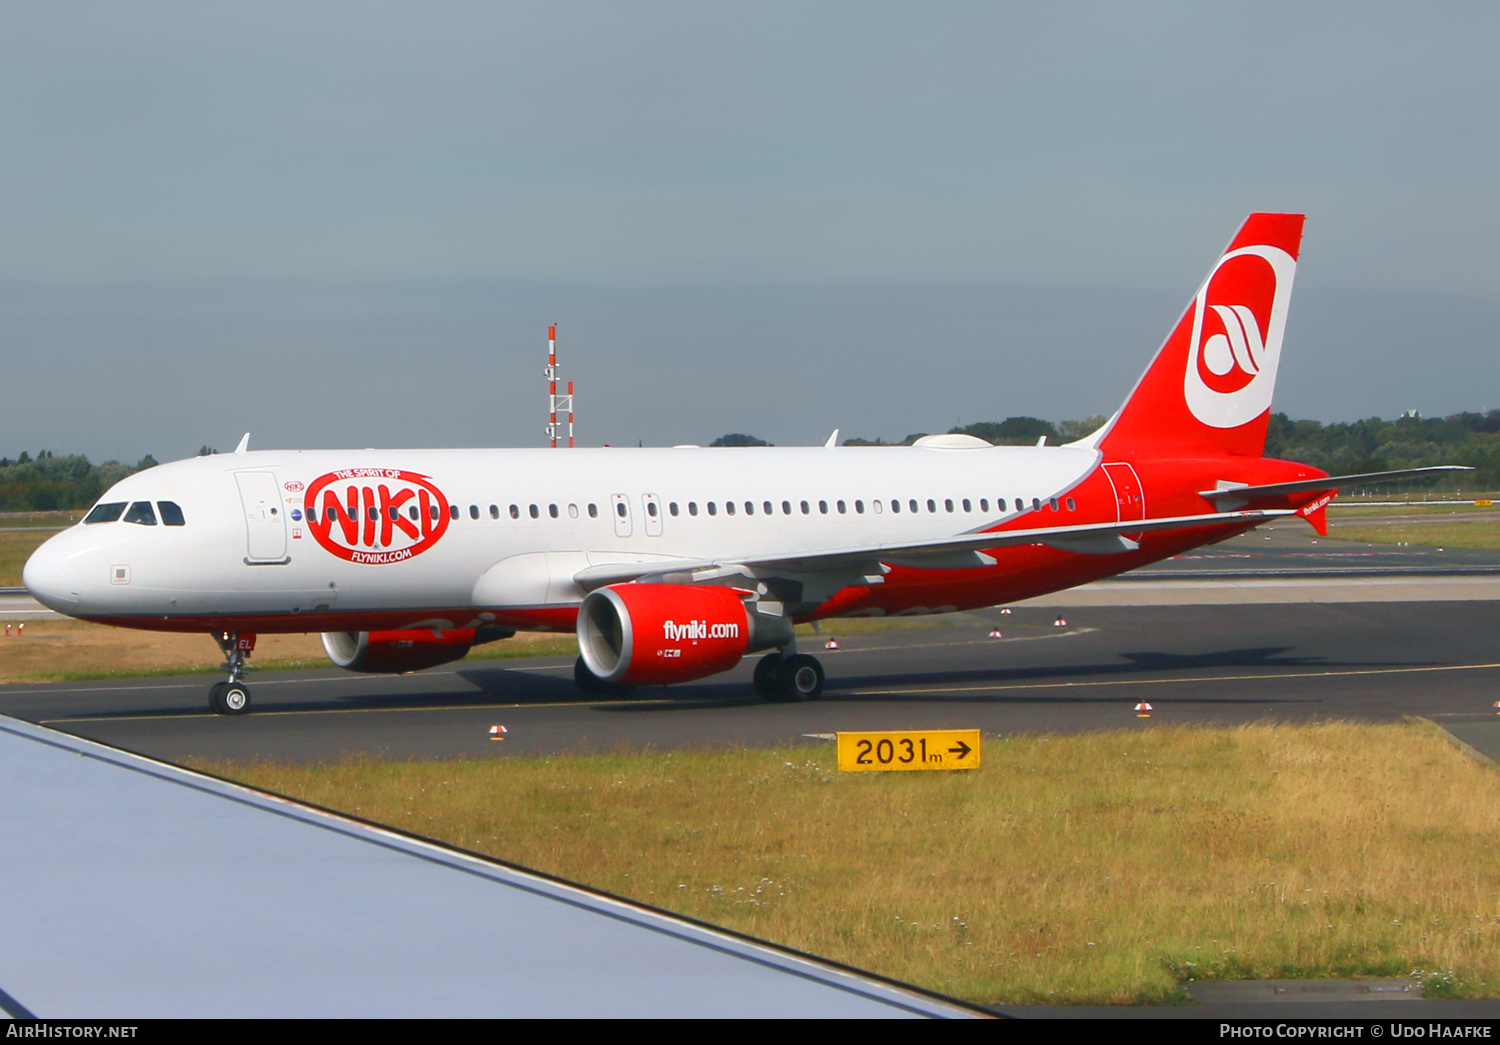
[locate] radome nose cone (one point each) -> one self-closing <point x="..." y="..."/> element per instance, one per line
<point x="52" y="576"/>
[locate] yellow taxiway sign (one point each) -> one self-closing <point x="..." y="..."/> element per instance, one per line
<point x="910" y="749"/>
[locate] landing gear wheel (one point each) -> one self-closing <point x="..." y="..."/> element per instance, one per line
<point x="767" y="684"/>
<point x="592" y="684"/>
<point x="801" y="678"/>
<point x="229" y="698"/>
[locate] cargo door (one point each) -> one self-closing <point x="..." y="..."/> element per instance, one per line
<point x="265" y="521"/>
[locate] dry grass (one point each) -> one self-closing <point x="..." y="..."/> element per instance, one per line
<point x="54" y="650"/>
<point x="16" y="546"/>
<point x="1458" y="533"/>
<point x="1099" y="868"/>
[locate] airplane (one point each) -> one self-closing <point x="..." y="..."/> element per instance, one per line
<point x="672" y="564"/>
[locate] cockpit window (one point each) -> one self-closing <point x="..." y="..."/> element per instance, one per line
<point x="171" y="515"/>
<point x="105" y="512"/>
<point x="140" y="512"/>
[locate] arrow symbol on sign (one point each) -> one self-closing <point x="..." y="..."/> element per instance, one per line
<point x="961" y="751"/>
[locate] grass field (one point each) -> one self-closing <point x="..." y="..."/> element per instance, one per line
<point x="1101" y="868"/>
<point x="18" y="539"/>
<point x="1458" y="533"/>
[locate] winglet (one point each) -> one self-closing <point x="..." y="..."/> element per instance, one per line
<point x="244" y="444"/>
<point x="833" y="440"/>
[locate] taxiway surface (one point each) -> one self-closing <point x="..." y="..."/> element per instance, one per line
<point x="1193" y="664"/>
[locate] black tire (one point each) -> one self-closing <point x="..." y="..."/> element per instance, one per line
<point x="767" y="678"/>
<point x="235" y="698"/>
<point x="216" y="698"/>
<point x="592" y="684"/>
<point x="801" y="677"/>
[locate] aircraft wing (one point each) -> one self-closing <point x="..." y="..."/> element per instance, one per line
<point x="964" y="550"/>
<point x="1329" y="482"/>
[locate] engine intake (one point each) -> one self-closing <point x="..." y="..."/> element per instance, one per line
<point x="665" y="633"/>
<point x="398" y="652"/>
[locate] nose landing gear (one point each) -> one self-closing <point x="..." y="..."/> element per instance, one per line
<point x="232" y="697"/>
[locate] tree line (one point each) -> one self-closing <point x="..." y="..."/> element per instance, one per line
<point x="48" y="483"/>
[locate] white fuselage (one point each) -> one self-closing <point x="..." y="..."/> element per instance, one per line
<point x="521" y="523"/>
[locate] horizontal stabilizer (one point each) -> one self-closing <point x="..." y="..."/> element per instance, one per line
<point x="1241" y="494"/>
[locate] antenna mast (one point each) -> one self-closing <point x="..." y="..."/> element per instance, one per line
<point x="555" y="402"/>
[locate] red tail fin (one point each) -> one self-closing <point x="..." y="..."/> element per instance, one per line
<point x="1208" y="391"/>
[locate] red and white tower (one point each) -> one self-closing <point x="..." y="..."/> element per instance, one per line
<point x="555" y="403"/>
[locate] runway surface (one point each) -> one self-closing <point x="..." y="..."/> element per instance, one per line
<point x="1193" y="664"/>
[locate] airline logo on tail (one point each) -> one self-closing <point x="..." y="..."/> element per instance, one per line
<point x="1238" y="319"/>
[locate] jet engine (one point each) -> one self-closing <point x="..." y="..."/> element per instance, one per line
<point x="663" y="633"/>
<point x="397" y="652"/>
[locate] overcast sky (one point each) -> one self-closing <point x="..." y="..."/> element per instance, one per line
<point x="351" y="224"/>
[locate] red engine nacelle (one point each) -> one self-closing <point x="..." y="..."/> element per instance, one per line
<point x="664" y="633"/>
<point x="395" y="652"/>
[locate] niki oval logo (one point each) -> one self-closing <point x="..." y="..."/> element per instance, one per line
<point x="375" y="515"/>
<point x="1238" y="319"/>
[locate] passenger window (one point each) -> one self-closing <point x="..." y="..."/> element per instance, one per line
<point x="1052" y="503"/>
<point x="841" y="508"/>
<point x="713" y="509"/>
<point x="878" y="506"/>
<point x="729" y="507"/>
<point x="786" y="507"/>
<point x="171" y="515"/>
<point x="672" y="507"/>
<point x="515" y="511"/>
<point x="967" y="506"/>
<point x="105" y="512"/>
<point x="768" y="508"/>
<point x="692" y="507"/>
<point x="912" y="504"/>
<point x="749" y="507"/>
<point x="415" y="515"/>
<point x="572" y="511"/>
<point x="453" y="511"/>
<point x="593" y="511"/>
<point x="1036" y="504"/>
<point x="473" y="511"/>
<point x="495" y="511"/>
<point x="140" y="513"/>
<point x="620" y="509"/>
<point x="552" y="510"/>
<point x="895" y="506"/>
<point x="859" y="507"/>
<point x="805" y="509"/>
<point x="651" y="509"/>
<point x="984" y="504"/>
<point x="535" y="512"/>
<point x="823" y="507"/>
<point x="948" y="504"/>
<point x="374" y="513"/>
<point x="1072" y="505"/>
<point x="931" y="505"/>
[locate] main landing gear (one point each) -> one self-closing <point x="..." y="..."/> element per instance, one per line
<point x="232" y="697"/>
<point x="782" y="678"/>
